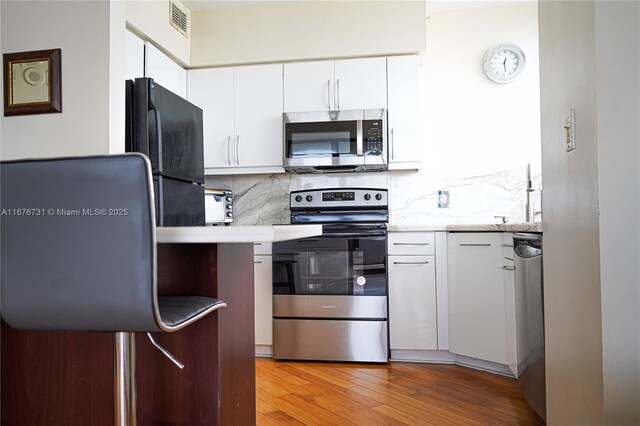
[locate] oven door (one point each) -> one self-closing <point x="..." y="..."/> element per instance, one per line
<point x="347" y="260"/>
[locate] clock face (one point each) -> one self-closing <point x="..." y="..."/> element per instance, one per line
<point x="503" y="63"/>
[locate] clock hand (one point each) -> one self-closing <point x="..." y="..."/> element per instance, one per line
<point x="504" y="64"/>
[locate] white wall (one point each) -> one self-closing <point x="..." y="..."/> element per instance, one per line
<point x="117" y="55"/>
<point x="149" y="19"/>
<point x="477" y="136"/>
<point x="617" y="31"/>
<point x="590" y="61"/>
<point x="82" y="31"/>
<point x="306" y="30"/>
<point x="570" y="200"/>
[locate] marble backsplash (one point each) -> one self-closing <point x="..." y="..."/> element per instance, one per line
<point x="264" y="199"/>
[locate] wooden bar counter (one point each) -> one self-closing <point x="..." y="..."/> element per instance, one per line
<point x="67" y="378"/>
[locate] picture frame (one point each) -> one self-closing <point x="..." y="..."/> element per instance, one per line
<point x="32" y="82"/>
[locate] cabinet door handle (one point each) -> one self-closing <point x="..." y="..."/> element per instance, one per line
<point x="228" y="148"/>
<point x="507" y="245"/>
<point x="410" y="263"/>
<point x="257" y="261"/>
<point x="338" y="97"/>
<point x="329" y="94"/>
<point x="257" y="244"/>
<point x="393" y="151"/>
<point x="474" y="245"/>
<point x="410" y="244"/>
<point x="508" y="258"/>
<point x="509" y="268"/>
<point x="237" y="150"/>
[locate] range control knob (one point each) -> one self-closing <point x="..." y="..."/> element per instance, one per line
<point x="378" y="196"/>
<point x="229" y="214"/>
<point x="367" y="197"/>
<point x="298" y="198"/>
<point x="228" y="199"/>
<point x="309" y="198"/>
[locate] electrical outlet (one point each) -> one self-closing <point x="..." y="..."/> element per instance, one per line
<point x="570" y="131"/>
<point x="443" y="199"/>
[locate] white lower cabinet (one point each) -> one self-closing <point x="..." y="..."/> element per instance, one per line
<point x="262" y="267"/>
<point x="479" y="301"/>
<point x="413" y="313"/>
<point x="412" y="303"/>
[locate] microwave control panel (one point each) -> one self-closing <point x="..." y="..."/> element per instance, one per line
<point x="372" y="136"/>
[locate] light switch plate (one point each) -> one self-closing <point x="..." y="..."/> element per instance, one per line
<point x="570" y="130"/>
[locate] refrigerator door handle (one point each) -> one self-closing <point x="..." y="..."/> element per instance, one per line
<point x="152" y="107"/>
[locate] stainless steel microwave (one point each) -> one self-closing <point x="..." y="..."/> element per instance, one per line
<point x="335" y="141"/>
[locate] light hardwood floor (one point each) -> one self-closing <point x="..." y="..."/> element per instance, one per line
<point x="307" y="393"/>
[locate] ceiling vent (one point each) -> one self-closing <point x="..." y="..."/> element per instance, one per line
<point x="179" y="17"/>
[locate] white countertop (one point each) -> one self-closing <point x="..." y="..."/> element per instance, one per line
<point x="479" y="227"/>
<point x="235" y="234"/>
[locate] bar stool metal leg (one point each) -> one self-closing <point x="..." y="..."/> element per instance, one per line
<point x="125" y="379"/>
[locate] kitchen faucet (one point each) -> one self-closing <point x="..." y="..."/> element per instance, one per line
<point x="529" y="189"/>
<point x="503" y="218"/>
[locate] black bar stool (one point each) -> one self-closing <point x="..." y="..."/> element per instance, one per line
<point x="78" y="252"/>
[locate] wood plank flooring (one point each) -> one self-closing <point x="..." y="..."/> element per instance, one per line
<point x="308" y="393"/>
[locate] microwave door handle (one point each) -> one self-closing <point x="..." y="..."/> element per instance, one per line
<point x="393" y="151"/>
<point x="359" y="138"/>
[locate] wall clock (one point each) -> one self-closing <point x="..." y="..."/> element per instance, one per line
<point x="503" y="63"/>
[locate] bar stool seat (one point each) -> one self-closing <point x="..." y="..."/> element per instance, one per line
<point x="78" y="252"/>
<point x="177" y="310"/>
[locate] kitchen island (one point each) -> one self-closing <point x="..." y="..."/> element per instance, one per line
<point x="62" y="378"/>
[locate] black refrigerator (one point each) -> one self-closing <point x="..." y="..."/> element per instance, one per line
<point x="168" y="130"/>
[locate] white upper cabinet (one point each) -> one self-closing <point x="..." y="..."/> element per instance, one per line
<point x="332" y="85"/>
<point x="361" y="83"/>
<point x="308" y="86"/>
<point x="403" y="112"/>
<point x="212" y="90"/>
<point x="164" y="71"/>
<point x="477" y="297"/>
<point x="134" y="57"/>
<point x="242" y="117"/>
<point x="258" y="112"/>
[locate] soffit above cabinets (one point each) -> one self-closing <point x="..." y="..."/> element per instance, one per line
<point x="200" y="5"/>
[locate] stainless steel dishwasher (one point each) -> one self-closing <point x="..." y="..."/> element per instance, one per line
<point x="529" y="293"/>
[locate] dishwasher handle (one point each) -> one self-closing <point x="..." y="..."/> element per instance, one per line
<point x="527" y="248"/>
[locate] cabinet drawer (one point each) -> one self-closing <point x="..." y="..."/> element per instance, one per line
<point x="411" y="243"/>
<point x="262" y="249"/>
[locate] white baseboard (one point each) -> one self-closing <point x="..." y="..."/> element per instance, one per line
<point x="437" y="357"/>
<point x="446" y="357"/>
<point x="264" y="351"/>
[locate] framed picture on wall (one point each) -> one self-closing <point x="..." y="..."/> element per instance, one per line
<point x="32" y="82"/>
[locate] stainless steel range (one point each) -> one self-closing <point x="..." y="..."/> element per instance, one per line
<point x="330" y="292"/>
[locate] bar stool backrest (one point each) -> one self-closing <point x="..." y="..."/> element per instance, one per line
<point x="77" y="244"/>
